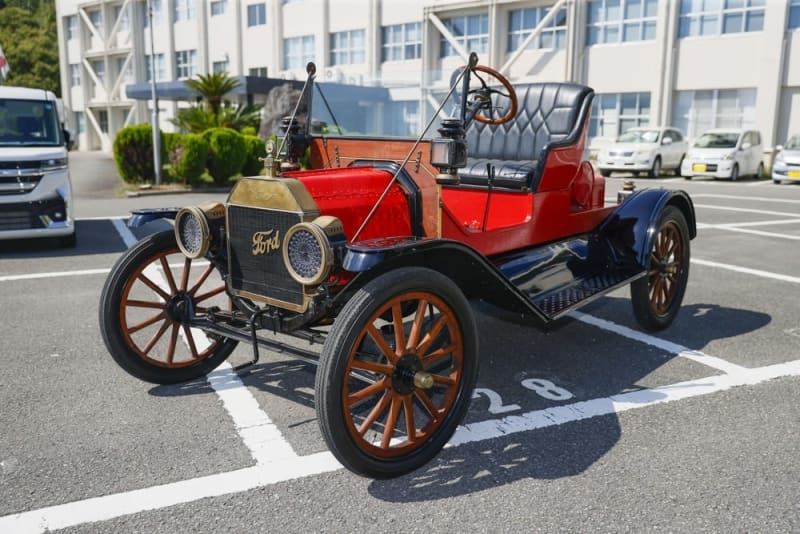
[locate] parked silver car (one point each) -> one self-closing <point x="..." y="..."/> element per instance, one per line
<point x="725" y="153"/>
<point x="786" y="166"/>
<point x="644" y="150"/>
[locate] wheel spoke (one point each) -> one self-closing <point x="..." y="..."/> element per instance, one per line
<point x="373" y="367"/>
<point x="190" y="341"/>
<point x="430" y="359"/>
<point x="168" y="274"/>
<point x="367" y="392"/>
<point x="399" y="333"/>
<point x="416" y="327"/>
<point x="408" y="410"/>
<point x="391" y="422"/>
<point x="446" y="380"/>
<point x="156" y="337"/>
<point x="381" y="342"/>
<point x="202" y="279"/>
<point x="147" y="322"/>
<point x="376" y="412"/>
<point x="152" y="285"/>
<point x="173" y="341"/>
<point x="431" y="336"/>
<point x="145" y="304"/>
<point x="187" y="266"/>
<point x="210" y="294"/>
<point x="428" y="404"/>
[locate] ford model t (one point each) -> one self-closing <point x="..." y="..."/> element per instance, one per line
<point x="375" y="251"/>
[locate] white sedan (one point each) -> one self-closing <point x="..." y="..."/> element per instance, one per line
<point x="644" y="150"/>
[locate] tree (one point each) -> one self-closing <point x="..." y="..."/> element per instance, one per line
<point x="27" y="28"/>
<point x="215" y="112"/>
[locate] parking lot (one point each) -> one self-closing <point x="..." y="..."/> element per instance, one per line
<point x="596" y="426"/>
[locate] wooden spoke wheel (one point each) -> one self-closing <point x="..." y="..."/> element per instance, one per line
<point x="150" y="294"/>
<point x="657" y="297"/>
<point x="396" y="373"/>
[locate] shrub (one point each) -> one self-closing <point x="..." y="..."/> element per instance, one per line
<point x="248" y="130"/>
<point x="133" y="153"/>
<point x="187" y="156"/>
<point x="226" y="153"/>
<point x="256" y="151"/>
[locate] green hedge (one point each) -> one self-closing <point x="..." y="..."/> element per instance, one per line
<point x="133" y="153"/>
<point x="188" y="154"/>
<point x="256" y="151"/>
<point x="226" y="153"/>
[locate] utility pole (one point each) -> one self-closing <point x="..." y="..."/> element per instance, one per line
<point x="154" y="96"/>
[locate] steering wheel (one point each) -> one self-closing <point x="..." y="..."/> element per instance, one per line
<point x="482" y="96"/>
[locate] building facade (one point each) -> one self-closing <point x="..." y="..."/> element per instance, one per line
<point x="693" y="64"/>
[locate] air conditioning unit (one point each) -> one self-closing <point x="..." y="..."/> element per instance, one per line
<point x="333" y="74"/>
<point x="357" y="79"/>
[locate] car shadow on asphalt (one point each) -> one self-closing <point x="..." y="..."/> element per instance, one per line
<point x="93" y="237"/>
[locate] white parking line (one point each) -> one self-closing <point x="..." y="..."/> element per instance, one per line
<point x="746" y="210"/>
<point x="747" y="198"/>
<point x="746" y="270"/>
<point x="124" y="232"/>
<point x="736" y="228"/>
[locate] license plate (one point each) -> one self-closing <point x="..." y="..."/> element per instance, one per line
<point x="794" y="174"/>
<point x="699" y="167"/>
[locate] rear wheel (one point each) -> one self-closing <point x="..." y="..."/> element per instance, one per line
<point x="657" y="297"/>
<point x="760" y="171"/>
<point x="150" y="292"/>
<point x="778" y="182"/>
<point x="396" y="373"/>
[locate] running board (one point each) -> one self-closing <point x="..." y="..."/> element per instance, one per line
<point x="559" y="301"/>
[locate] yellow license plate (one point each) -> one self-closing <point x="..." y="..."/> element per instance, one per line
<point x="794" y="174"/>
<point x="699" y="167"/>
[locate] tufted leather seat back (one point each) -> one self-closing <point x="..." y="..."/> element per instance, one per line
<point x="549" y="114"/>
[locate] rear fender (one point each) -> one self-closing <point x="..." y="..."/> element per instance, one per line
<point x="471" y="271"/>
<point x="631" y="228"/>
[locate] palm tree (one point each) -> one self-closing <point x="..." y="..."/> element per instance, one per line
<point x="212" y="87"/>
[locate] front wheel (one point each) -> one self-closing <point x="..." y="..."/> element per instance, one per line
<point x="396" y="373"/>
<point x="655" y="170"/>
<point x="657" y="297"/>
<point x="151" y="291"/>
<point x="735" y="172"/>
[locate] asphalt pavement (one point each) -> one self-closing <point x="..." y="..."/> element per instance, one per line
<point x="594" y="427"/>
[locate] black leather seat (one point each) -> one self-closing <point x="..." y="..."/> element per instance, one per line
<point x="549" y="115"/>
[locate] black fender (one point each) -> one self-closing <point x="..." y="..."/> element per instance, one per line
<point x="140" y="217"/>
<point x="474" y="274"/>
<point x="631" y="227"/>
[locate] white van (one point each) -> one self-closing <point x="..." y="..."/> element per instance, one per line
<point x="35" y="188"/>
<point x="723" y="153"/>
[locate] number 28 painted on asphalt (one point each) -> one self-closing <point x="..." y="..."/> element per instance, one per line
<point x="540" y="386"/>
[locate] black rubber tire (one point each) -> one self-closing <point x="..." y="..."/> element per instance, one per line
<point x="760" y="171"/>
<point x="680" y="164"/>
<point x="334" y="368"/>
<point x="655" y="170"/>
<point x="687" y="177"/>
<point x="735" y="172"/>
<point x="777" y="182"/>
<point x="648" y="317"/>
<point x="605" y="174"/>
<point x="111" y="322"/>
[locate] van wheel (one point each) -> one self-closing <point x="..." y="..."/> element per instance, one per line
<point x="678" y="168"/>
<point x="655" y="170"/>
<point x="735" y="172"/>
<point x="760" y="171"/>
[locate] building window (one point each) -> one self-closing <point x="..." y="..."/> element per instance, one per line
<point x="156" y="4"/>
<point x="695" y="112"/>
<point x="704" y="18"/>
<point x="74" y="74"/>
<point x="219" y="67"/>
<point x="521" y="23"/>
<point x="297" y="52"/>
<point x="471" y="32"/>
<point x="125" y="72"/>
<point x="124" y="23"/>
<point x="71" y="23"/>
<point x="614" y="113"/>
<point x="794" y="15"/>
<point x="102" y="119"/>
<point x="347" y="48"/>
<point x="96" y="18"/>
<point x="218" y="7"/>
<point x="257" y="71"/>
<point x="402" y="41"/>
<point x="99" y="68"/>
<point x="184" y="10"/>
<point x="615" y="21"/>
<point x="185" y="64"/>
<point x="80" y="123"/>
<point x="402" y="118"/>
<point x="160" y="72"/>
<point x="257" y="14"/>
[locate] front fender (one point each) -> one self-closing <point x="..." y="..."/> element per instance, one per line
<point x="140" y="217"/>
<point x="474" y="274"/>
<point x="631" y="228"/>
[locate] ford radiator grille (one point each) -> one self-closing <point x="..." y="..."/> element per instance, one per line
<point x="256" y="258"/>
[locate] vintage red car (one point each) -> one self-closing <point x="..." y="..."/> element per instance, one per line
<point x="375" y="252"/>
